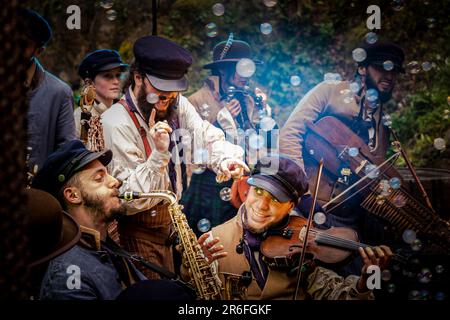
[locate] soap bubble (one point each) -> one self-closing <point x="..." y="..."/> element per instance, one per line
<point x="353" y="152"/>
<point x="439" y="144"/>
<point x="424" y="275"/>
<point x="270" y="3"/>
<point x="295" y="80"/>
<point x="388" y="65"/>
<point x="395" y="183"/>
<point x="439" y="268"/>
<point x="426" y="66"/>
<point x="245" y="68"/>
<point x="371" y="37"/>
<point x="391" y="288"/>
<point x="399" y="201"/>
<point x="266" y="28"/>
<point x="111" y="15"/>
<point x="211" y="30"/>
<point x="218" y="9"/>
<point x="320" y="218"/>
<point x="107" y="4"/>
<point x="386" y="275"/>
<point x="372" y="95"/>
<point x="204" y="225"/>
<point x="152" y="98"/>
<point x="372" y="171"/>
<point x="225" y="194"/>
<point x="355" y="86"/>
<point x="416" y="245"/>
<point x="409" y="236"/>
<point x="359" y="54"/>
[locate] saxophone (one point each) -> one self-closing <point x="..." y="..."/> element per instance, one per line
<point x="204" y="279"/>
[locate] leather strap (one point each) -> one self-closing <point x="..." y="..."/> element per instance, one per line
<point x="141" y="129"/>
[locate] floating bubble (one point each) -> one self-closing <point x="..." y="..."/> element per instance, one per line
<point x="153" y="213"/>
<point x="371" y="37"/>
<point x="359" y="54"/>
<point x="440" y="296"/>
<point x="397" y="5"/>
<point x="107" y="4"/>
<point x="386" y="275"/>
<point x="152" y="98"/>
<point x="203" y="225"/>
<point x="256" y="141"/>
<point x="320" y="218"/>
<point x="388" y="65"/>
<point x="372" y="171"/>
<point x="245" y="68"/>
<point x="218" y="9"/>
<point x="391" y="288"/>
<point x="266" y="28"/>
<point x="211" y="30"/>
<point x="311" y="152"/>
<point x="267" y="123"/>
<point x="333" y="78"/>
<point x="199" y="169"/>
<point x="413" y="295"/>
<point x="399" y="201"/>
<point x="111" y="15"/>
<point x="225" y="194"/>
<point x="386" y="120"/>
<point x="416" y="245"/>
<point x="201" y="156"/>
<point x="353" y="152"/>
<point x="424" y="276"/>
<point x="372" y="95"/>
<point x="385" y="189"/>
<point x="424" y="295"/>
<point x="439" y="144"/>
<point x="355" y="86"/>
<point x="270" y="3"/>
<point x="395" y="183"/>
<point x="348" y="100"/>
<point x="413" y="67"/>
<point x="426" y="66"/>
<point x="409" y="236"/>
<point x="295" y="80"/>
<point x="431" y="22"/>
<point x="439" y="268"/>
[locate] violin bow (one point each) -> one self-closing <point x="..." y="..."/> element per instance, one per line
<point x="308" y="226"/>
<point x="413" y="171"/>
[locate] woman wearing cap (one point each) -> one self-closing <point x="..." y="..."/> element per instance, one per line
<point x="101" y="72"/>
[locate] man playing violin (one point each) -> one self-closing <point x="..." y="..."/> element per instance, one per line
<point x="358" y="105"/>
<point x="235" y="246"/>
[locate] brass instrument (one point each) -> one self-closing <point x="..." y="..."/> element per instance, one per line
<point x="204" y="279"/>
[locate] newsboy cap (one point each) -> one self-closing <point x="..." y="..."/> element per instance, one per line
<point x="165" y="62"/>
<point x="382" y="51"/>
<point x="281" y="177"/>
<point x="223" y="55"/>
<point x="37" y="28"/>
<point x="100" y="60"/>
<point x="62" y="164"/>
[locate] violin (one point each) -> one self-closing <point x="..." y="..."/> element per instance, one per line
<point x="283" y="247"/>
<point x="347" y="161"/>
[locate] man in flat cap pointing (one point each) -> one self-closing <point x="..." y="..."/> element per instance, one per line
<point x="143" y="131"/>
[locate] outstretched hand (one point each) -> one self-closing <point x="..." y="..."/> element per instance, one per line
<point x="211" y="249"/>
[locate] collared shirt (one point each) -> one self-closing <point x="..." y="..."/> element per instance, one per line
<point x="88" y="271"/>
<point x="138" y="173"/>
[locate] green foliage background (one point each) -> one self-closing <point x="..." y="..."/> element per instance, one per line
<point x="309" y="39"/>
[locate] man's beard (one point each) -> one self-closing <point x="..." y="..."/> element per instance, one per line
<point x="146" y="108"/>
<point x="251" y="229"/>
<point x="384" y="96"/>
<point x="97" y="209"/>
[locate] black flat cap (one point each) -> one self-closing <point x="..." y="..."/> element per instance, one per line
<point x="100" y="60"/>
<point x="235" y="52"/>
<point x="62" y="164"/>
<point x="165" y="62"/>
<point x="37" y="28"/>
<point x="381" y="51"/>
<point x="281" y="177"/>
